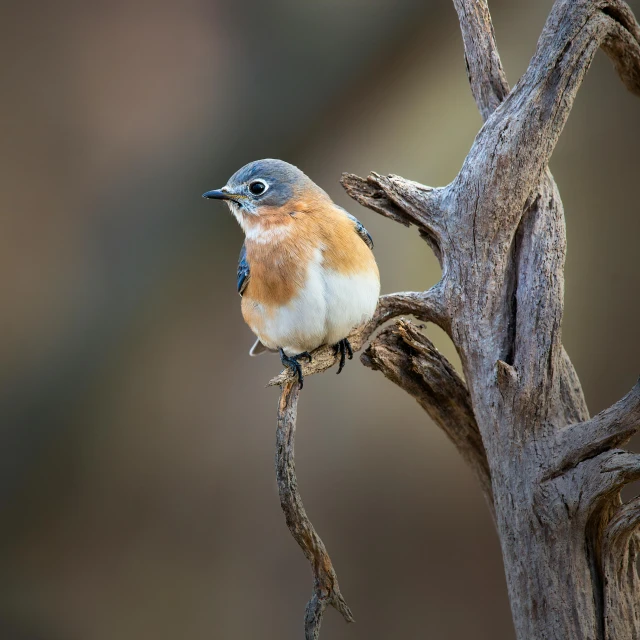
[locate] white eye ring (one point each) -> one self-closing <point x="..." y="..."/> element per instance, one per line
<point x="260" y="185"/>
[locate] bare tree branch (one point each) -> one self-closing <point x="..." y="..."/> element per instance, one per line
<point x="594" y="484"/>
<point x="618" y="468"/>
<point x="326" y="590"/>
<point x="409" y="359"/>
<point x="611" y="428"/>
<point x="403" y="201"/>
<point x="487" y="79"/>
<point x="544" y="96"/>
<point x="622" y="44"/>
<point x="511" y="153"/>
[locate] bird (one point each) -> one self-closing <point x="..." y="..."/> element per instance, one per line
<point x="306" y="273"/>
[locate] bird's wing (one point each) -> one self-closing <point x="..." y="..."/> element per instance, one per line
<point x="243" y="280"/>
<point x="359" y="227"/>
<point x="243" y="270"/>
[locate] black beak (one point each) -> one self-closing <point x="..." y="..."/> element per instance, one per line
<point x="217" y="194"/>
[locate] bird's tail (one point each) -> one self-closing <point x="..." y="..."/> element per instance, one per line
<point x="258" y="348"/>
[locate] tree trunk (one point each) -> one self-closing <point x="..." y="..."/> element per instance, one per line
<point x="551" y="475"/>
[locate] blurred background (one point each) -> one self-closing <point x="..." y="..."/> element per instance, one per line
<point x="137" y="490"/>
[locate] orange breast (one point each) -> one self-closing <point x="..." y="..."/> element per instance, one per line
<point x="279" y="267"/>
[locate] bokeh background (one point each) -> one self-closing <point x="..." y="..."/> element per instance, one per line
<point x="137" y="490"/>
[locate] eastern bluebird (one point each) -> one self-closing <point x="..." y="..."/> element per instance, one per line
<point x="306" y="274"/>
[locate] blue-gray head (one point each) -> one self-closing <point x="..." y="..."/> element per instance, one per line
<point x="261" y="184"/>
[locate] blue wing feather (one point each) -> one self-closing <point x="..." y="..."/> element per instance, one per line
<point x="243" y="270"/>
<point x="360" y="230"/>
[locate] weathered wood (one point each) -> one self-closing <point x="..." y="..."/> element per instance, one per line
<point x="552" y="475"/>
<point x="326" y="590"/>
<point x="487" y="79"/>
<point x="621" y="583"/>
<point x="409" y="359"/>
<point x="611" y="428"/>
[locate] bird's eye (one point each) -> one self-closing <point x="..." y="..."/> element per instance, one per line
<point x="258" y="187"/>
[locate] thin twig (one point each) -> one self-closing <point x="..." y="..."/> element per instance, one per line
<point x="326" y="590"/>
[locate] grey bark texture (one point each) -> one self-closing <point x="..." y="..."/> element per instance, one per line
<point x="551" y="475"/>
<point x="326" y="590"/>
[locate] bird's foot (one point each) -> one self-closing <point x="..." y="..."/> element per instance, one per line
<point x="345" y="350"/>
<point x="292" y="363"/>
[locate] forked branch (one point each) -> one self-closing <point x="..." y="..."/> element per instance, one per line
<point x="512" y="151"/>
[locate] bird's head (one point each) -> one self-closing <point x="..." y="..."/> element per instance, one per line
<point x="267" y="189"/>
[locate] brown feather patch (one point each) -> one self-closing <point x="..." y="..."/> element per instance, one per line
<point x="279" y="267"/>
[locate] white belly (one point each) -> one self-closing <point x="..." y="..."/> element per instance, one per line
<point x="351" y="301"/>
<point x="328" y="307"/>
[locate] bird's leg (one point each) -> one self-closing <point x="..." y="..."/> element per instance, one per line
<point x="339" y="348"/>
<point x="293" y="363"/>
<point x="344" y="347"/>
<point x="347" y="344"/>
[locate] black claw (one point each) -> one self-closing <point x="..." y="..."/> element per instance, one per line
<point x="342" y="348"/>
<point x="346" y="351"/>
<point x="293" y="365"/>
<point x="347" y="344"/>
